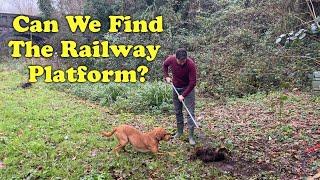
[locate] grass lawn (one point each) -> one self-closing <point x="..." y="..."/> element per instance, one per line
<point x="49" y="134"/>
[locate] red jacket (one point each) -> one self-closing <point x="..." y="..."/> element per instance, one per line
<point x="184" y="76"/>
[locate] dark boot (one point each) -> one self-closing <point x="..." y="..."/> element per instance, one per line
<point x="191" y="137"/>
<point x="179" y="131"/>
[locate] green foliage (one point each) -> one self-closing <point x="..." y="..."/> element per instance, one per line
<point x="283" y="133"/>
<point x="47" y="134"/>
<point x="149" y="2"/>
<point x="46" y="8"/>
<point x="245" y="60"/>
<point x="153" y="97"/>
<point x="282" y="99"/>
<point x="231" y="41"/>
<point x="101" y="10"/>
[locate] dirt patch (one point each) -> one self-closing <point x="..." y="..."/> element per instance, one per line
<point x="210" y="154"/>
<point x="222" y="159"/>
<point x="245" y="168"/>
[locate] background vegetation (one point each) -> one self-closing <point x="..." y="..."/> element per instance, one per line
<point x="46" y="133"/>
<point x="233" y="42"/>
<point x="259" y="50"/>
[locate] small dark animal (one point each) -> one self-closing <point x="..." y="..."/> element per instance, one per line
<point x="26" y="85"/>
<point x="210" y="154"/>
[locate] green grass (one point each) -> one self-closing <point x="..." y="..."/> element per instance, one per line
<point x="47" y="134"/>
<point x="44" y="129"/>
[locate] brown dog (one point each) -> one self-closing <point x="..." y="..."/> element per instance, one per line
<point x="143" y="142"/>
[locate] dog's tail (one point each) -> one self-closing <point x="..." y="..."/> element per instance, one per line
<point x="108" y="134"/>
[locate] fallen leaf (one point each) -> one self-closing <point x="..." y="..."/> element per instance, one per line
<point x="20" y="132"/>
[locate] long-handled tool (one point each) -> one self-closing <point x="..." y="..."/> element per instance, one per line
<point x="184" y="105"/>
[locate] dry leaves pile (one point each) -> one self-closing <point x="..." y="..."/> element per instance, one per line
<point x="263" y="140"/>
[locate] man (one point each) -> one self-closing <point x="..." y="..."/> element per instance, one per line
<point x="184" y="73"/>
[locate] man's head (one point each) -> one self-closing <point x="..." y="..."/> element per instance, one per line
<point x="181" y="56"/>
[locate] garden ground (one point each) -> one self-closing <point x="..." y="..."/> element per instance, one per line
<point x="45" y="133"/>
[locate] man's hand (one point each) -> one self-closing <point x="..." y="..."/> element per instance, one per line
<point x="168" y="80"/>
<point x="181" y="98"/>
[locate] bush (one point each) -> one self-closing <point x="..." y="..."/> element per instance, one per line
<point x="233" y="43"/>
<point x="155" y="97"/>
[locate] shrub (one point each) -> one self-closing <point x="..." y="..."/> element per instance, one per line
<point x="155" y="97"/>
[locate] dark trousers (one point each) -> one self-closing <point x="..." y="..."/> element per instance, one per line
<point x="178" y="106"/>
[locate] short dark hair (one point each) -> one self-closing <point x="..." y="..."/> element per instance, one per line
<point x="181" y="53"/>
